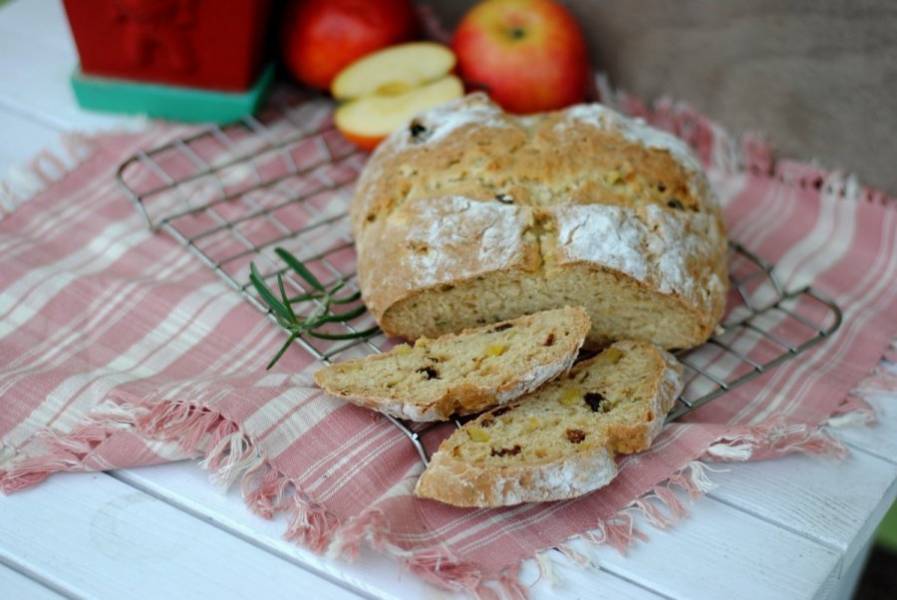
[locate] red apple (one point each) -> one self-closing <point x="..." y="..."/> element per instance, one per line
<point x="529" y="55"/>
<point x="320" y="38"/>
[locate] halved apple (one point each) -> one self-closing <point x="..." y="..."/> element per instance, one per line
<point x="393" y="70"/>
<point x="366" y="121"/>
<point x="384" y="90"/>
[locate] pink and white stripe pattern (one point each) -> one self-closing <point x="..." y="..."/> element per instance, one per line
<point x="117" y="348"/>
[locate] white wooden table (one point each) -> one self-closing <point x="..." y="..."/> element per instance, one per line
<point x="794" y="528"/>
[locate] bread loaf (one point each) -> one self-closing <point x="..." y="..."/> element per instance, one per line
<point x="471" y="216"/>
<point x="560" y="441"/>
<point x="464" y="373"/>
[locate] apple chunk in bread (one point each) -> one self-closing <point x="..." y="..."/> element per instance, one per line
<point x="384" y="90"/>
<point x="368" y="120"/>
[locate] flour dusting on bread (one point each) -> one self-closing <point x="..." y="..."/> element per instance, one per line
<point x="607" y="235"/>
<point x="441" y="121"/>
<point x="443" y="231"/>
<point x="670" y="251"/>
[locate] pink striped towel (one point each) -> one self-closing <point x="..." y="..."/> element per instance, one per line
<point x="118" y="348"/>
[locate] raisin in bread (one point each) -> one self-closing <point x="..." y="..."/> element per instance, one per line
<point x="560" y="441"/>
<point x="463" y="373"/>
<point x="471" y="216"/>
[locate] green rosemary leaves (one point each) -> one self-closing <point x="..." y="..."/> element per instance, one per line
<point x="324" y="299"/>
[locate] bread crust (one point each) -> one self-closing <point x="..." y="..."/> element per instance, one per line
<point x="463" y="484"/>
<point x="432" y="216"/>
<point x="460" y="484"/>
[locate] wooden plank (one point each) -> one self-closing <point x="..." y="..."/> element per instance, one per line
<point x="722" y="553"/>
<point x="36" y="67"/>
<point x="572" y="582"/>
<point x="845" y="584"/>
<point x="838" y="504"/>
<point x="880" y="439"/>
<point x="187" y="487"/>
<point x="93" y="536"/>
<point x="16" y="585"/>
<point x="36" y="81"/>
<point x="23" y="138"/>
<point x="53" y="29"/>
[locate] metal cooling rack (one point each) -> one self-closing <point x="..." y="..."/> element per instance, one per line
<point x="232" y="194"/>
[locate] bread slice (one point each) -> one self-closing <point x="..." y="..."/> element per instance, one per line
<point x="560" y="441"/>
<point x="462" y="373"/>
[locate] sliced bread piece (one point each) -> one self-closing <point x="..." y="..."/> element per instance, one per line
<point x="560" y="441"/>
<point x="462" y="373"/>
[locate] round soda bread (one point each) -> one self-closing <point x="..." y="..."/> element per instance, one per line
<point x="472" y="216"/>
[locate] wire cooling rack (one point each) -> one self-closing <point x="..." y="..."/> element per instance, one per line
<point x="231" y="195"/>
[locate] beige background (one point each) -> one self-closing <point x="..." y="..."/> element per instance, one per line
<point x="818" y="77"/>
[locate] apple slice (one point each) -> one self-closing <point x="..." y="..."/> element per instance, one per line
<point x="394" y="70"/>
<point x="369" y="119"/>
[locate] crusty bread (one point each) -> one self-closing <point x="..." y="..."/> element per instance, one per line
<point x="560" y="441"/>
<point x="473" y="216"/>
<point x="464" y="373"/>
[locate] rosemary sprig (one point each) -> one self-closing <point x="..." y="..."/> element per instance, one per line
<point x="282" y="307"/>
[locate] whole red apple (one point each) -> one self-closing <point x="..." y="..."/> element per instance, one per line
<point x="529" y="55"/>
<point x="321" y="37"/>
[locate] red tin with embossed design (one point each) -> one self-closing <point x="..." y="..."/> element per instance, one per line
<point x="213" y="44"/>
